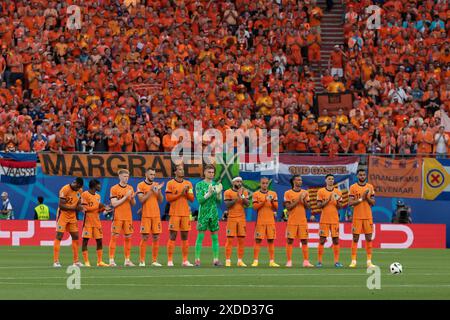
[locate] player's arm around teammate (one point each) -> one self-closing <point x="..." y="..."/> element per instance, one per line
<point x="296" y="201"/>
<point x="149" y="194"/>
<point x="66" y="220"/>
<point x="265" y="203"/>
<point x="362" y="198"/>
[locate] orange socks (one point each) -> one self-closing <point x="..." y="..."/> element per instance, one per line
<point x="170" y="249"/>
<point x="56" y="247"/>
<point x="336" y="252"/>
<point x="142" y="250"/>
<point x="228" y="248"/>
<point x="271" y="247"/>
<point x="75" y="250"/>
<point x="85" y="256"/>
<point x="99" y="255"/>
<point x="256" y="249"/>
<point x="185" y="249"/>
<point x="305" y="252"/>
<point x="289" y="251"/>
<point x="354" y="250"/>
<point x="155" y="250"/>
<point x="241" y="247"/>
<point x="112" y="246"/>
<point x="127" y="248"/>
<point x="369" y="250"/>
<point x="319" y="252"/>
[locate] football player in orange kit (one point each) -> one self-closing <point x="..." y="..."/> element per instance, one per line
<point x="329" y="199"/>
<point x="92" y="227"/>
<point x="236" y="199"/>
<point x="178" y="192"/>
<point x="296" y="201"/>
<point x="122" y="198"/>
<point x="149" y="194"/>
<point x="362" y="199"/>
<point x="66" y="219"/>
<point x="265" y="202"/>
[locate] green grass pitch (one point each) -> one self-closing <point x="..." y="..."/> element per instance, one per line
<point x="26" y="273"/>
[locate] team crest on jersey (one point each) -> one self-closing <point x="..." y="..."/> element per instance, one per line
<point x="142" y="228"/>
<point x="353" y="230"/>
<point x="171" y="226"/>
<point x="228" y="231"/>
<point x="86" y="233"/>
<point x="60" y="227"/>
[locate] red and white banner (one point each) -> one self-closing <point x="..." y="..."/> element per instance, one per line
<point x="386" y="236"/>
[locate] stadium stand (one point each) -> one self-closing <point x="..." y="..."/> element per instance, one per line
<point x="127" y="73"/>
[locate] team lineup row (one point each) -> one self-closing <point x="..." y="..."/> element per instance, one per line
<point x="180" y="191"/>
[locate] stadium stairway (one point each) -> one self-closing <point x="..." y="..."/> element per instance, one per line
<point x="332" y="33"/>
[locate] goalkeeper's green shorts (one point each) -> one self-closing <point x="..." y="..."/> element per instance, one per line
<point x="208" y="223"/>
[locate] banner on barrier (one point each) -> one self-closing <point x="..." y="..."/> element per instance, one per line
<point x="314" y="170"/>
<point x="393" y="236"/>
<point x="17" y="168"/>
<point x="107" y="165"/>
<point x="436" y="179"/>
<point x="396" y="178"/>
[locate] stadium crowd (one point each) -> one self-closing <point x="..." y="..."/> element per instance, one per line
<point x="128" y="73"/>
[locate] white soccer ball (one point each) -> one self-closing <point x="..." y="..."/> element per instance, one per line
<point x="396" y="268"/>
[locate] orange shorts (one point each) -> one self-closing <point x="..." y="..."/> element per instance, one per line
<point x="63" y="224"/>
<point x="263" y="231"/>
<point x="362" y="226"/>
<point x="177" y="223"/>
<point x="297" y="231"/>
<point x="122" y="226"/>
<point x="151" y="225"/>
<point x="236" y="228"/>
<point x="325" y="229"/>
<point x="92" y="233"/>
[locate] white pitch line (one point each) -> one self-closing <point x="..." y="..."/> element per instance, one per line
<point x="446" y="285"/>
<point x="215" y="276"/>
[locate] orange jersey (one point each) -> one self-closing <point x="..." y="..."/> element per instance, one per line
<point x="362" y="210"/>
<point x="150" y="208"/>
<point x="264" y="207"/>
<point x="122" y="212"/>
<point x="91" y="203"/>
<point x="236" y="211"/>
<point x="179" y="205"/>
<point x="329" y="212"/>
<point x="72" y="197"/>
<point x="297" y="215"/>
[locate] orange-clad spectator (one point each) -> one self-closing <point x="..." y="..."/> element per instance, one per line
<point x="153" y="141"/>
<point x="167" y="142"/>
<point x="24" y="139"/>
<point x="336" y="86"/>
<point x="315" y="143"/>
<point x="362" y="141"/>
<point x="114" y="143"/>
<point x="310" y="126"/>
<point x="140" y="139"/>
<point x="323" y="121"/>
<point x="336" y="62"/>
<point x="425" y="140"/>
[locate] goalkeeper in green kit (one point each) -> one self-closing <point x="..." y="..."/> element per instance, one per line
<point x="209" y="196"/>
